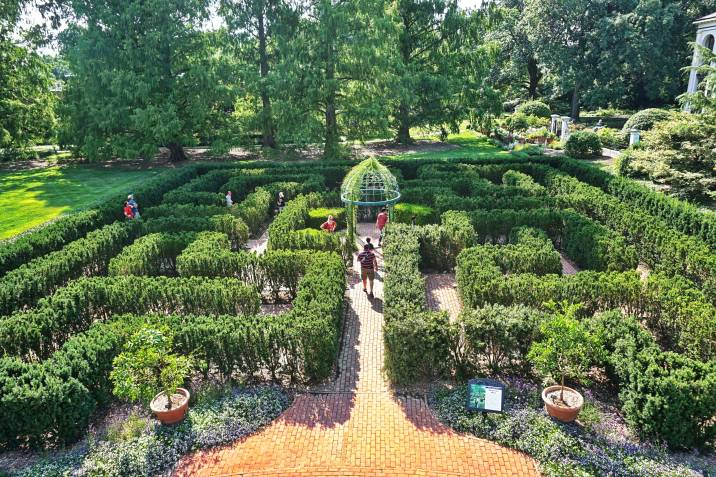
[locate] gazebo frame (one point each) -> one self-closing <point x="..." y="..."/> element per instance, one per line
<point x="368" y="184"/>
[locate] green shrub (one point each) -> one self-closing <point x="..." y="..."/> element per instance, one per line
<point x="417" y="346"/>
<point x="498" y="336"/>
<point x="534" y="108"/>
<point x="567" y="349"/>
<point x="316" y="217"/>
<point x="153" y="254"/>
<point x="517" y="122"/>
<point x="43" y="275"/>
<point x="233" y="227"/>
<point x="403" y="213"/>
<point x="612" y="138"/>
<point x="147" y="365"/>
<point x="72" y="309"/>
<point x="645" y="119"/>
<point x="523" y="182"/>
<point x="671" y="398"/>
<point x="583" y="145"/>
<point x="255" y="209"/>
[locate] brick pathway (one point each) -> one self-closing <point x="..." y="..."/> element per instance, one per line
<point x="442" y="293"/>
<point x="356" y="426"/>
<point x="568" y="266"/>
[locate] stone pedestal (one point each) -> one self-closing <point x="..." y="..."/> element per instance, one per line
<point x="634" y="137"/>
<point x="554" y="125"/>
<point x="565" y="128"/>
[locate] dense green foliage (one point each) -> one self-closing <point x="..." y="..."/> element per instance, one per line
<point x="534" y="108"/>
<point x="583" y="145"/>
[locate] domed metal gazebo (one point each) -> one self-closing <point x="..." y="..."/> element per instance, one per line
<point x="368" y="184"/>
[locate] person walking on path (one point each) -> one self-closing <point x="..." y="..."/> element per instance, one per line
<point x="369" y="244"/>
<point x="329" y="225"/>
<point x="380" y="223"/>
<point x="368" y="267"/>
<point x="229" y="200"/>
<point x="281" y="202"/>
<point x="134" y="205"/>
<point x="128" y="210"/>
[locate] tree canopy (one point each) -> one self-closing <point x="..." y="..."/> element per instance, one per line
<point x="135" y="76"/>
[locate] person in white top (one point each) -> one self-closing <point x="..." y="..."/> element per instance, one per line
<point x="229" y="200"/>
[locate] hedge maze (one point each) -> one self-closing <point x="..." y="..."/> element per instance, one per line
<point x="72" y="293"/>
<point x="501" y="226"/>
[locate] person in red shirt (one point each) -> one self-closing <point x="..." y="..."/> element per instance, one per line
<point x="128" y="212"/>
<point x="329" y="225"/>
<point x="380" y="223"/>
<point x="368" y="267"/>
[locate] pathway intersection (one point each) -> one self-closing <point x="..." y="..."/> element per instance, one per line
<point x="356" y="426"/>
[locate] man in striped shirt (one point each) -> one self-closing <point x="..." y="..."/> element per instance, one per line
<point x="368" y="267"/>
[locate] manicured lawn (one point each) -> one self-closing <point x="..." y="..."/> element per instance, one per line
<point x="468" y="144"/>
<point x="32" y="197"/>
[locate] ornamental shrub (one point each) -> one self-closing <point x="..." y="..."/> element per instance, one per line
<point x="583" y="145"/>
<point x="645" y="119"/>
<point x="524" y="182"/>
<point x="613" y="138"/>
<point x="566" y="349"/>
<point x="534" y="108"/>
<point x="147" y="365"/>
<point x="153" y="254"/>
<point x="403" y="213"/>
<point x="670" y="397"/>
<point x="498" y="336"/>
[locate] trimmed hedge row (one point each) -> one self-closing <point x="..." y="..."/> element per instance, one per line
<point x="40" y="331"/>
<point x="524" y="182"/>
<point x="275" y="271"/>
<point x="153" y="254"/>
<point x="590" y="244"/>
<point x="416" y="341"/>
<point x="664" y="396"/>
<point x="677" y="312"/>
<point x="233" y="227"/>
<point x="660" y="246"/>
<point x="317" y="216"/>
<point x="90" y="255"/>
<point x="52" y="401"/>
<point x="255" y="209"/>
<point x="67" y="229"/>
<point x="678" y="214"/>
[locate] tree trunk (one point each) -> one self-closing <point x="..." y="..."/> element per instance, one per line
<point x="176" y="152"/>
<point x="404" y="126"/>
<point x="535" y="77"/>
<point x="267" y="137"/>
<point x="575" y="103"/>
<point x="561" y="391"/>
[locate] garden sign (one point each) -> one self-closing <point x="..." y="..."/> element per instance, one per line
<point x="485" y="395"/>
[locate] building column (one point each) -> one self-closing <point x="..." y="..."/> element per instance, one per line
<point x="565" y="128"/>
<point x="554" y="125"/>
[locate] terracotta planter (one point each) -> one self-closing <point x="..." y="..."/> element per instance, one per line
<point x="564" y="414"/>
<point x="173" y="415"/>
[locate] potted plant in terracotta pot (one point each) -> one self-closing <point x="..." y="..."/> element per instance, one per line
<point x="147" y="371"/>
<point x="566" y="351"/>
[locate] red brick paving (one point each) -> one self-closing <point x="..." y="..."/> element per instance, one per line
<point x="568" y="266"/>
<point x="443" y="294"/>
<point x="356" y="427"/>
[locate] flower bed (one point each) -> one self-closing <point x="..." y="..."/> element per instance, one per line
<point x="157" y="449"/>
<point x="594" y="449"/>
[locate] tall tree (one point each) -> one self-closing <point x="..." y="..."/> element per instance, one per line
<point x="517" y="67"/>
<point x="425" y="63"/>
<point x="26" y="100"/>
<point x="144" y="76"/>
<point x="336" y="72"/>
<point x="253" y="26"/>
<point x="564" y="33"/>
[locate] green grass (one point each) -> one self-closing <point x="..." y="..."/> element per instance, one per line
<point x="468" y="144"/>
<point x="32" y="197"/>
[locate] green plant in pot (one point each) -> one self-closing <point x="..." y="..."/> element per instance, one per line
<point x="147" y="371"/>
<point x="566" y="351"/>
